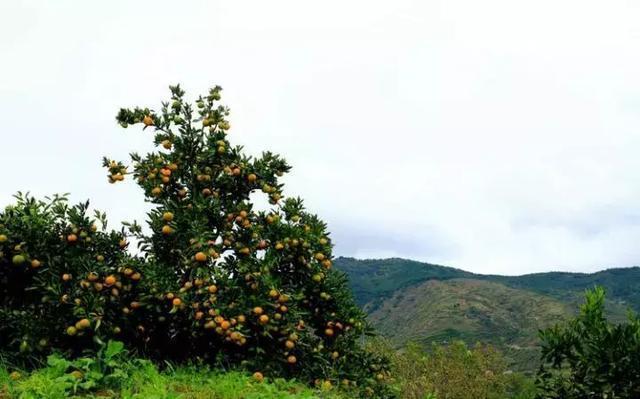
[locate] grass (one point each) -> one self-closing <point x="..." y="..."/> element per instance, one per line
<point x="141" y="379"/>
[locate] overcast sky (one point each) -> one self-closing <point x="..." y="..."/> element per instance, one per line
<point x="496" y="136"/>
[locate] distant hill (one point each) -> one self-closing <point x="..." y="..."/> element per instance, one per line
<point x="420" y="302"/>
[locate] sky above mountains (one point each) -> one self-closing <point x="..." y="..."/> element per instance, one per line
<point x="494" y="136"/>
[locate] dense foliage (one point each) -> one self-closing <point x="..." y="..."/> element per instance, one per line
<point x="111" y="373"/>
<point x="454" y="371"/>
<point x="219" y="278"/>
<point x="589" y="357"/>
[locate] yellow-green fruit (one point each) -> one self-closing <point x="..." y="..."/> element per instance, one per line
<point x="18" y="259"/>
<point x="71" y="331"/>
<point x="3" y="238"/>
<point x="167" y="216"/>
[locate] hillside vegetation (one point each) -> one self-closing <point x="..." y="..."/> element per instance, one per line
<point x="410" y="301"/>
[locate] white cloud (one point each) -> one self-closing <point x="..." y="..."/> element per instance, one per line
<point x="495" y="136"/>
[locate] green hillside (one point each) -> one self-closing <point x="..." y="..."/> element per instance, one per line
<point x="421" y="302"/>
<point x="471" y="310"/>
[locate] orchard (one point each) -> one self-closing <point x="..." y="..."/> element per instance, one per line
<point x="214" y="279"/>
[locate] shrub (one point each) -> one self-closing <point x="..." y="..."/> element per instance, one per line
<point x="590" y="357"/>
<point x="454" y="371"/>
<point x="217" y="279"/>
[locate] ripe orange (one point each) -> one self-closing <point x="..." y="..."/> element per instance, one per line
<point x="83" y="324"/>
<point x="15" y="376"/>
<point x="264" y="319"/>
<point x="110" y="280"/>
<point x="258" y="376"/>
<point x="225" y="325"/>
<point x="147" y="120"/>
<point x="200" y="257"/>
<point x="212" y="289"/>
<point x="241" y="319"/>
<point x="156" y="191"/>
<point x="167" y="144"/>
<point x="92" y="277"/>
<point x="72" y="238"/>
<point x="291" y="359"/>
<point x="329" y="332"/>
<point x="135" y="276"/>
<point x="166" y="230"/>
<point x="167" y="216"/>
<point x="289" y="344"/>
<point x="258" y="310"/>
<point x="66" y="277"/>
<point x="252" y="178"/>
<point x="176" y="302"/>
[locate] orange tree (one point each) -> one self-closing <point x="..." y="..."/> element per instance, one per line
<point x="216" y="278"/>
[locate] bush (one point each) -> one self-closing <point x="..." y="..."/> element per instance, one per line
<point x="454" y="371"/>
<point x="217" y="279"/>
<point x="590" y="357"/>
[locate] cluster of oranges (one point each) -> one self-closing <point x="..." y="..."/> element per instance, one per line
<point x="216" y="278"/>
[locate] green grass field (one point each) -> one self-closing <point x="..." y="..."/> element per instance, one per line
<point x="141" y="379"/>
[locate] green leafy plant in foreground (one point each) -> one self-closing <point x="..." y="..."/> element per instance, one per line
<point x="111" y="374"/>
<point x="589" y="357"/>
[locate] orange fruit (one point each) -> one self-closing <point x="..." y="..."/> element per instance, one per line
<point x="176" y="302"/>
<point x="225" y="325"/>
<point x="273" y="293"/>
<point x="200" y="257"/>
<point x="72" y="238"/>
<point x="212" y="289"/>
<point x="166" y="230"/>
<point x="252" y="178"/>
<point x="241" y="319"/>
<point x="167" y="216"/>
<point x="167" y="144"/>
<point x="289" y="344"/>
<point x="258" y="376"/>
<point x="66" y="277"/>
<point x="135" y="276"/>
<point x="110" y="280"/>
<point x="3" y="238"/>
<point x="291" y="359"/>
<point x="264" y="319"/>
<point x="83" y="324"/>
<point x="147" y="120"/>
<point x="329" y="332"/>
<point x="18" y="259"/>
<point x="258" y="310"/>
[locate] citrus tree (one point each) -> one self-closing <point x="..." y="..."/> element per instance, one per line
<point x="589" y="357"/>
<point x="216" y="277"/>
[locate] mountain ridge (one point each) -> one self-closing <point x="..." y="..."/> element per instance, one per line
<point x="411" y="301"/>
